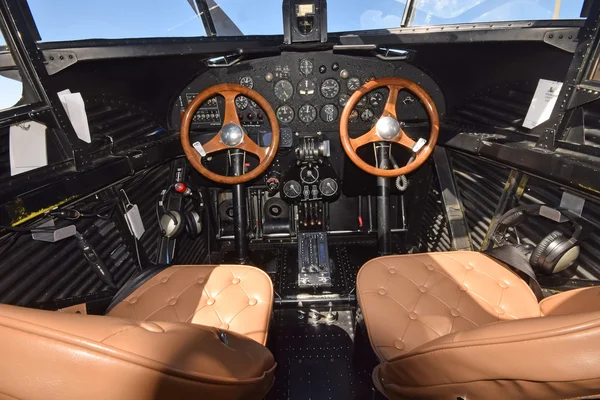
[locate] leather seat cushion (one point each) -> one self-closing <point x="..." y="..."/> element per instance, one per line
<point x="237" y="298"/>
<point x="409" y="300"/>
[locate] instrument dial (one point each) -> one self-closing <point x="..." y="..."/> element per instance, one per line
<point x="362" y="102"/>
<point x="241" y="102"/>
<point x="353" y="84"/>
<point x="330" y="88"/>
<point x="309" y="175"/>
<point x="376" y="99"/>
<point x="292" y="189"/>
<point x="353" y="115"/>
<point x="329" y="113"/>
<point x="247" y="81"/>
<point x="307" y="113"/>
<point x="285" y="114"/>
<point x="343" y="99"/>
<point x="328" y="187"/>
<point x="307" y="88"/>
<point x="283" y="90"/>
<point x="367" y="115"/>
<point x="306" y="66"/>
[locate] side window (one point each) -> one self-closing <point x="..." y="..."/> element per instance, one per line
<point x="11" y="85"/>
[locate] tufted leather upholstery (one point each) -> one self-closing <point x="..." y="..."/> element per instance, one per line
<point x="232" y="297"/>
<point x="459" y="324"/>
<point x="189" y="332"/>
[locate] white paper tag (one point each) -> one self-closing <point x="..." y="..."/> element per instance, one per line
<point x="199" y="148"/>
<point x="542" y="103"/>
<point x="75" y="108"/>
<point x="27" y="147"/>
<point x="134" y="220"/>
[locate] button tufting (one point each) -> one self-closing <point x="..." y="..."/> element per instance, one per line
<point x="412" y="315"/>
<point x="210" y="302"/>
<point x="164" y="280"/>
<point x="252" y="302"/>
<point x="392" y="271"/>
<point x="381" y="291"/>
<point x="464" y="288"/>
<point x="503" y="284"/>
<point x="224" y="326"/>
<point x="133" y="300"/>
<point x="468" y="267"/>
<point x="499" y="310"/>
<point x="430" y="267"/>
<point x="172" y="301"/>
<point x="455" y="312"/>
<point x="422" y="289"/>
<point x="398" y="344"/>
<point x="200" y="280"/>
<point x="235" y="281"/>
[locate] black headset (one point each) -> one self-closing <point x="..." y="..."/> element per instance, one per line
<point x="555" y="252"/>
<point x="173" y="223"/>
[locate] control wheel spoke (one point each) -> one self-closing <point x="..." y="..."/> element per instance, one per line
<point x="214" y="145"/>
<point x="403" y="140"/>
<point x="367" y="138"/>
<point x="230" y="116"/>
<point x="249" y="146"/>
<point x="390" y="105"/>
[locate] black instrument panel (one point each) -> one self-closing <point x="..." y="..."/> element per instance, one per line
<point x="307" y="92"/>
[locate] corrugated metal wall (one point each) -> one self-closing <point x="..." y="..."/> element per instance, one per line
<point x="433" y="232"/>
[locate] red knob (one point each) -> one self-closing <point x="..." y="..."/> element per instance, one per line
<point x="259" y="116"/>
<point x="250" y="116"/>
<point x="180" y="187"/>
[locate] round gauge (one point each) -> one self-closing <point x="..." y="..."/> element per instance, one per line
<point x="328" y="187"/>
<point x="309" y="175"/>
<point x="353" y="115"/>
<point x="253" y="104"/>
<point x="329" y="113"/>
<point x="367" y="115"/>
<point x="283" y="90"/>
<point x="285" y="114"/>
<point x="330" y="88"/>
<point x="306" y="66"/>
<point x="292" y="189"/>
<point x="241" y="102"/>
<point x="307" y="113"/>
<point x="343" y="99"/>
<point x="353" y="84"/>
<point x="307" y="89"/>
<point x="247" y="81"/>
<point x="376" y="99"/>
<point x="362" y="102"/>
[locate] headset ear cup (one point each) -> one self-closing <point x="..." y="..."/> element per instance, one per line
<point x="171" y="224"/>
<point x="193" y="224"/>
<point x="539" y="254"/>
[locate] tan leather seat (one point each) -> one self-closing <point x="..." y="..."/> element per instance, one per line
<point x="237" y="298"/>
<point x="460" y="324"/>
<point x="189" y="332"/>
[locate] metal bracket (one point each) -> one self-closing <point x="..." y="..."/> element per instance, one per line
<point x="45" y="116"/>
<point x="582" y="95"/>
<point x="564" y="39"/>
<point x="56" y="61"/>
<point x="453" y="207"/>
<point x="546" y="140"/>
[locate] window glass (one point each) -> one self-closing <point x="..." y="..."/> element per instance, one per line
<point x="11" y="87"/>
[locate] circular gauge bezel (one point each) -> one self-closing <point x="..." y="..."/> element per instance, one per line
<point x="282" y="96"/>
<point x="314" y="178"/>
<point x="323" y="184"/>
<point x="250" y="84"/>
<point x="365" y="111"/>
<point x="309" y="66"/>
<point x="322" y="113"/>
<point x="380" y="99"/>
<point x="362" y="102"/>
<point x="343" y="99"/>
<point x="312" y="85"/>
<point x="313" y="112"/>
<point x="288" y="185"/>
<point x="288" y="109"/>
<point x="325" y="91"/>
<point x="353" y="84"/>
<point x="241" y="102"/>
<point x="354" y="115"/>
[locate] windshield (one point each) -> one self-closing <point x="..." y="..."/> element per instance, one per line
<point x="112" y="19"/>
